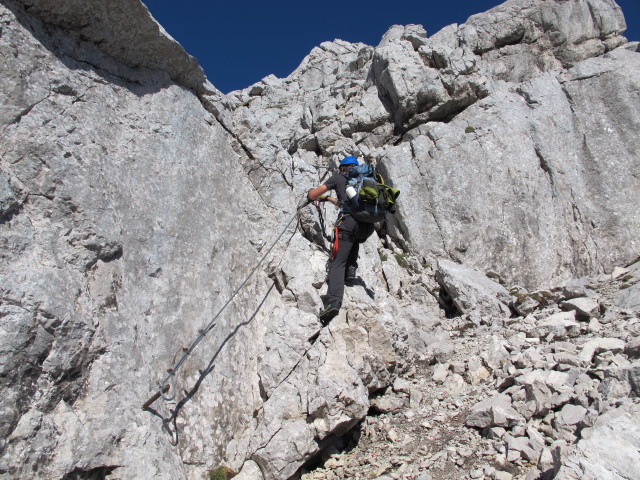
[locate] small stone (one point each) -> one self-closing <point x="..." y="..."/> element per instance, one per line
<point x="567" y="347"/>
<point x="440" y="372"/>
<point x="522" y="445"/>
<point x="465" y="452"/>
<point x="393" y="436"/>
<point x="526" y="305"/>
<point x="559" y="325"/>
<point x="496" y="432"/>
<point x="489" y="470"/>
<point x="546" y="462"/>
<point x="619" y="272"/>
<point x="415" y="398"/>
<point x="594" y="326"/>
<point x="424" y="476"/>
<point x="501" y="475"/>
<point x="389" y="403"/>
<point x="578" y="288"/>
<point x="458" y="367"/>
<point x="533" y="474"/>
<point x="632" y="348"/>
<point x="401" y="385"/>
<point x="570" y="415"/>
<point x="476" y="372"/>
<point x="536" y="439"/>
<point x="569" y="359"/>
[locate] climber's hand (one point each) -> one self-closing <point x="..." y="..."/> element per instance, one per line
<point x="304" y="201"/>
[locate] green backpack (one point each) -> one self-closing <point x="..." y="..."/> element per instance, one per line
<point x="376" y="192"/>
<point x="376" y="197"/>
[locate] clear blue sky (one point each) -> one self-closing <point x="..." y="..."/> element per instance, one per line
<point x="239" y="42"/>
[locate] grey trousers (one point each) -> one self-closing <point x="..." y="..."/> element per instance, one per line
<point x="351" y="234"/>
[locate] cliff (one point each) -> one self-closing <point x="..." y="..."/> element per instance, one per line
<point x="136" y="200"/>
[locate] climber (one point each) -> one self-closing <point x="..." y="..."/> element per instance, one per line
<point x="350" y="234"/>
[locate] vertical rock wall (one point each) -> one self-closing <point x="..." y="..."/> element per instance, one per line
<point x="121" y="237"/>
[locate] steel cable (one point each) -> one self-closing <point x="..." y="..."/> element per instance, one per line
<point x="203" y="332"/>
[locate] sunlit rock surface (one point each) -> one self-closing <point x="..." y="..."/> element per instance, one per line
<point x="135" y="200"/>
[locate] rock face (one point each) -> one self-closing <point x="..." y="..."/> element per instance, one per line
<point x="125" y="31"/>
<point x="544" y="407"/>
<point x="136" y="200"/>
<point x="523" y="103"/>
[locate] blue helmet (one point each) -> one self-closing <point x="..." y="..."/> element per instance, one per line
<point x="349" y="161"/>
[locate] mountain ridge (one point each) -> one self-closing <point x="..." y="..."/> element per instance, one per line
<point x="135" y="199"/>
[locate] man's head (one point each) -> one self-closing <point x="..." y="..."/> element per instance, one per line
<point x="347" y="164"/>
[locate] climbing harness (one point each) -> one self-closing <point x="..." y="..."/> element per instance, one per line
<point x="165" y="385"/>
<point x="336" y="235"/>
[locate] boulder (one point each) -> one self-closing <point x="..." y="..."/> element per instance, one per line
<point x="470" y="290"/>
<point x="629" y="298"/>
<point x="597" y="345"/>
<point x="577" y="288"/>
<point x="389" y="403"/>
<point x="586" y="308"/>
<point x="610" y="449"/>
<point x="570" y="415"/>
<point x="496" y="411"/>
<point x="524" y="446"/>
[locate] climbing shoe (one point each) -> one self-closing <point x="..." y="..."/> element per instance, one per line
<point x="350" y="275"/>
<point x="329" y="312"/>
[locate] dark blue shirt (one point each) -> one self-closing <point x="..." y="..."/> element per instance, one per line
<point x="338" y="183"/>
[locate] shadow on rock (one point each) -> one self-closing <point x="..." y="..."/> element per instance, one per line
<point x="169" y="424"/>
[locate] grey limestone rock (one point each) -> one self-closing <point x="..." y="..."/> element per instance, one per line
<point x="629" y="298"/>
<point x="471" y="290"/>
<point x="561" y="325"/>
<point x="511" y="137"/>
<point x="598" y="345"/>
<point x="608" y="450"/>
<point x="570" y="415"/>
<point x="250" y="471"/>
<point x="390" y="403"/>
<point x="9" y="196"/>
<point x="632" y="348"/>
<point x="523" y="446"/>
<point x="126" y="31"/>
<point x="496" y="411"/>
<point x="585" y="307"/>
<point x="577" y="288"/>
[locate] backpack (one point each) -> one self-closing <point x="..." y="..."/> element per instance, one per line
<point x="375" y="198"/>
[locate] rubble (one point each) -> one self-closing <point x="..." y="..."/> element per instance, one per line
<point x="512" y="140"/>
